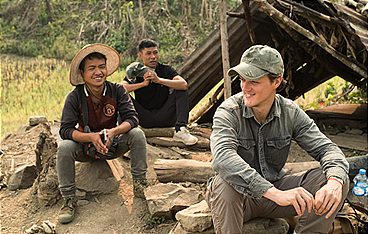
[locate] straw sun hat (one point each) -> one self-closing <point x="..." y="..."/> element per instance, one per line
<point x="112" y="61"/>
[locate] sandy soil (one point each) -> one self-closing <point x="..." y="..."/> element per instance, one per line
<point x="118" y="212"/>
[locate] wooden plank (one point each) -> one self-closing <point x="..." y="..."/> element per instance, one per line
<point x="116" y="168"/>
<point x="356" y="142"/>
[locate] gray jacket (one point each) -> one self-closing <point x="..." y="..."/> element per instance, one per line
<point x="250" y="156"/>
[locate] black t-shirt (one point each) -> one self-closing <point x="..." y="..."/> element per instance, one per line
<point x="153" y="96"/>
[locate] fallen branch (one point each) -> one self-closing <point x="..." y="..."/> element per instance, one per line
<point x="158" y="132"/>
<point x="188" y="170"/>
<point x="182" y="170"/>
<point x="164" y="141"/>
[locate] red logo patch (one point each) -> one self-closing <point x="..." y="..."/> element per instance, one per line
<point x="109" y="110"/>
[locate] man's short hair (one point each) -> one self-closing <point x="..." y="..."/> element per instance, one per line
<point x="94" y="55"/>
<point x="147" y="43"/>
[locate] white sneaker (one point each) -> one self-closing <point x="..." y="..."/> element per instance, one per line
<point x="184" y="136"/>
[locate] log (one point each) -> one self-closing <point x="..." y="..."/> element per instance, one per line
<point x="169" y="142"/>
<point x="158" y="132"/>
<point x="188" y="170"/>
<point x="182" y="170"/>
<point x="204" y="132"/>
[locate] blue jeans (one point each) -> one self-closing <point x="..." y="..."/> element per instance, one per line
<point x="70" y="151"/>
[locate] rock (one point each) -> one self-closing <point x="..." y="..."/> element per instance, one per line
<point x="82" y="202"/>
<point x="266" y="225"/>
<point x="167" y="199"/>
<point x="178" y="229"/>
<point x="23" y="177"/>
<point x="354" y="131"/>
<point x="46" y="187"/>
<point x="255" y="226"/>
<point x="44" y="227"/>
<point x="95" y="178"/>
<point x="195" y="218"/>
<point x="34" y="120"/>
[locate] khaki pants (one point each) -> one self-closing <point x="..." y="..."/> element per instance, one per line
<point x="231" y="209"/>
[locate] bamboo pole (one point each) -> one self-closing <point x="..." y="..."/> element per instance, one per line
<point x="225" y="48"/>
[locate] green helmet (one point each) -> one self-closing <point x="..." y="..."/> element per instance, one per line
<point x="134" y="70"/>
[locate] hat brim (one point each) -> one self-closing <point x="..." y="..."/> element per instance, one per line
<point x="247" y="71"/>
<point x="112" y="61"/>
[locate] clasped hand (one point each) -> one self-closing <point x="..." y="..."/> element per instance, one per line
<point x="326" y="200"/>
<point x="97" y="140"/>
<point x="151" y="76"/>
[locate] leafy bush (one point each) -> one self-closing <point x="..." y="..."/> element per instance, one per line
<point x="57" y="29"/>
<point x="333" y="91"/>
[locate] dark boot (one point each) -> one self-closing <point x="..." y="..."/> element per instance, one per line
<point x="138" y="188"/>
<point x="67" y="211"/>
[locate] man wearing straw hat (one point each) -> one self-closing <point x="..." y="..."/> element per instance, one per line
<point x="89" y="124"/>
<point x="250" y="142"/>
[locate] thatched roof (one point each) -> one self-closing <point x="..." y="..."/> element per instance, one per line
<point x="317" y="39"/>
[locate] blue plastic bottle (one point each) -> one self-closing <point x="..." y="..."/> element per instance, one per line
<point x="360" y="184"/>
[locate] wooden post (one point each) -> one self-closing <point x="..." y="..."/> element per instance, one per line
<point x="225" y="48"/>
<point x="248" y="21"/>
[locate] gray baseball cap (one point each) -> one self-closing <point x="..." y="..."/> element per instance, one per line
<point x="134" y="70"/>
<point x="257" y="61"/>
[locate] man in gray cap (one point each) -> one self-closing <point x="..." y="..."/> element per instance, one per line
<point x="250" y="142"/>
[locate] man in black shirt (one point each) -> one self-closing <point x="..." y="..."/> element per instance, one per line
<point x="160" y="93"/>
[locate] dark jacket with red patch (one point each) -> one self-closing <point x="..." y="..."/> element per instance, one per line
<point x="115" y="102"/>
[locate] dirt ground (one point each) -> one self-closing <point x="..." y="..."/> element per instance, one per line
<point x="118" y="212"/>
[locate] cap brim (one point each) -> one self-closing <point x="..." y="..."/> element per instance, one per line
<point x="247" y="71"/>
<point x="112" y="61"/>
<point x="134" y="70"/>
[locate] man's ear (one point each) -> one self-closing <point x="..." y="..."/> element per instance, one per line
<point x="278" y="81"/>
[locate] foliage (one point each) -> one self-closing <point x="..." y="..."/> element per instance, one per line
<point x="154" y="221"/>
<point x="58" y="28"/>
<point x="333" y="91"/>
